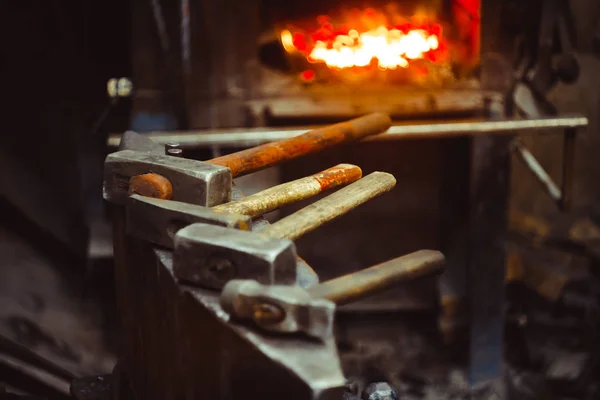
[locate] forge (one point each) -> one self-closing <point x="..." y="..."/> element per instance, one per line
<point x="300" y="200"/>
<point x="408" y="59"/>
<point x="257" y="71"/>
<point x="313" y="61"/>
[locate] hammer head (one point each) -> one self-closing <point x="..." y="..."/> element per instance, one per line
<point x="210" y="256"/>
<point x="193" y="182"/>
<point x="278" y="308"/>
<point x="157" y="221"/>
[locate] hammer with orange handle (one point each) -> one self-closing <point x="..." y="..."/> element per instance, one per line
<point x="208" y="183"/>
<point x="157" y="221"/>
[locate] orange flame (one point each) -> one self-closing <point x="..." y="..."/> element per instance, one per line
<point x="390" y="47"/>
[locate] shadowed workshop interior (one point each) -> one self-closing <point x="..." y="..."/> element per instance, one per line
<point x="236" y="199"/>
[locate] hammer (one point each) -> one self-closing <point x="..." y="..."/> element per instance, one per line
<point x="210" y="256"/>
<point x="292" y="309"/>
<point x="208" y="183"/>
<point x="157" y="221"/>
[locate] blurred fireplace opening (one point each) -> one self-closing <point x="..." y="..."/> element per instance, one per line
<point x="239" y="73"/>
<point x="433" y="43"/>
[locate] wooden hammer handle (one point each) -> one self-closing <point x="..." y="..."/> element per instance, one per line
<point x="331" y="207"/>
<point x="361" y="284"/>
<point x="291" y="192"/>
<point x="269" y="154"/>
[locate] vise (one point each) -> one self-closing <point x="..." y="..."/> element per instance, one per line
<point x="190" y="264"/>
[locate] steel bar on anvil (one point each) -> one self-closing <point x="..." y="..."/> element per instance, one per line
<point x="414" y="130"/>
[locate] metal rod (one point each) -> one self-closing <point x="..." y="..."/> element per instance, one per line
<point x="352" y="287"/>
<point x="256" y="158"/>
<point x="568" y="169"/>
<point x="538" y="171"/>
<point x="414" y="130"/>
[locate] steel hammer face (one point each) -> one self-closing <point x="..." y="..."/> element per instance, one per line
<point x="157" y="221"/>
<point x="193" y="182"/>
<point x="285" y="309"/>
<point x="210" y="256"/>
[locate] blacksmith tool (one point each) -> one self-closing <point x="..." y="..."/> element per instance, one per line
<point x="292" y="309"/>
<point x="208" y="183"/>
<point x="157" y="221"/>
<point x="210" y="256"/>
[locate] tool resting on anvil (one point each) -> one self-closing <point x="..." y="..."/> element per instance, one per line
<point x="292" y="309"/>
<point x="210" y="256"/>
<point x="208" y="183"/>
<point x="178" y="342"/>
<point x="157" y="221"/>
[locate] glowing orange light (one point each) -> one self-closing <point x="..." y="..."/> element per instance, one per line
<point x="354" y="38"/>
<point x="307" y="75"/>
<point x="392" y="48"/>
<point x="287" y="40"/>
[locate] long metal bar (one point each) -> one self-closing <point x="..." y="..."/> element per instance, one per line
<point x="568" y="169"/>
<point x="414" y="130"/>
<point x="538" y="171"/>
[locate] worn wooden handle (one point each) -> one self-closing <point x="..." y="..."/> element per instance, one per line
<point x="291" y="192"/>
<point x="151" y="185"/>
<point x="331" y="207"/>
<point x="361" y="284"/>
<point x="267" y="155"/>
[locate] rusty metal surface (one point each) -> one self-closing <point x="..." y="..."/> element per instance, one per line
<point x="266" y="155"/>
<point x="398" y="131"/>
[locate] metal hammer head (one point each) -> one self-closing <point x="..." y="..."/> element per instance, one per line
<point x="157" y="221"/>
<point x="193" y="182"/>
<point x="210" y="256"/>
<point x="278" y="308"/>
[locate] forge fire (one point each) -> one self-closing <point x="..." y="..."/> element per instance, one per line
<point x="367" y="38"/>
<point x="423" y="46"/>
<point x="389" y="47"/>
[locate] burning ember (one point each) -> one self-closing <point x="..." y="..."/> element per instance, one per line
<point x="390" y="47"/>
